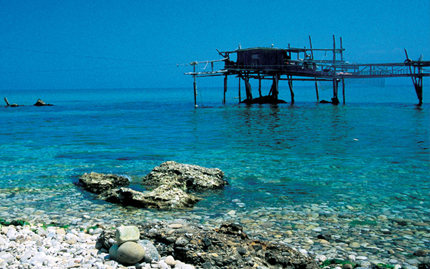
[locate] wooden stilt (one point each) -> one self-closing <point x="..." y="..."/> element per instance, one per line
<point x="276" y="89"/>
<point x="416" y="80"/>
<point x="248" y="88"/>
<point x="335" y="99"/>
<point x="343" y="90"/>
<point x="290" y="85"/>
<point x="312" y="55"/>
<point x="195" y="87"/>
<point x="259" y="85"/>
<point x="225" y="88"/>
<point x="316" y="89"/>
<point x="418" y="84"/>
<point x="240" y="99"/>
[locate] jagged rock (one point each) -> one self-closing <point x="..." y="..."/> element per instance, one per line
<point x="99" y="183"/>
<point x="163" y="197"/>
<point x="41" y="103"/>
<point x="185" y="177"/>
<point x="106" y="239"/>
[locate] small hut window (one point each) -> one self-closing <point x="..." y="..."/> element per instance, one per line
<point x="255" y="56"/>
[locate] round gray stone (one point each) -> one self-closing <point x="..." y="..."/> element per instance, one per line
<point x="130" y="253"/>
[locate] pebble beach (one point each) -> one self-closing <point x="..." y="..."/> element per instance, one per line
<point x="319" y="231"/>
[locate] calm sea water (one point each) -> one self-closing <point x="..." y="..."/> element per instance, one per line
<point x="373" y="149"/>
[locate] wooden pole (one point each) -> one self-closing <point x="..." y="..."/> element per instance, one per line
<point x="240" y="99"/>
<point x="341" y="50"/>
<point x="195" y="87"/>
<point x="7" y="102"/>
<point x="225" y="88"/>
<point x="343" y="90"/>
<point x="290" y="85"/>
<point x="316" y="89"/>
<point x="334" y="99"/>
<point x="312" y="55"/>
<point x="259" y="85"/>
<point x="276" y="88"/>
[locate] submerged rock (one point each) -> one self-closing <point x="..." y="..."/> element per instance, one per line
<point x="170" y="182"/>
<point x="185" y="176"/>
<point x="163" y="197"/>
<point x="99" y="183"/>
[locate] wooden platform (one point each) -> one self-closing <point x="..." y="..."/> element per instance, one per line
<point x="299" y="64"/>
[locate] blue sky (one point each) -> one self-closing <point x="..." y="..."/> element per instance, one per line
<point x="136" y="44"/>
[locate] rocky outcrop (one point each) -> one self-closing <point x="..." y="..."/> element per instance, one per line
<point x="185" y="176"/>
<point x="169" y="184"/>
<point x="163" y="197"/>
<point x="100" y="183"/>
<point x="226" y="247"/>
<point x="41" y="103"/>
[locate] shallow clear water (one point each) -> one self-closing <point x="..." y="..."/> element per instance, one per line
<point x="366" y="153"/>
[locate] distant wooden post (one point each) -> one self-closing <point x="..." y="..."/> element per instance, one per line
<point x="7" y="103"/>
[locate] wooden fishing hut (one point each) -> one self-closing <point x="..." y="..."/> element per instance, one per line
<point x="291" y="64"/>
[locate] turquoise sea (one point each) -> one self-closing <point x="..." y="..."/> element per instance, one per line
<point x="366" y="157"/>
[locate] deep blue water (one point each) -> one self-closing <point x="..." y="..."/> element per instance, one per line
<point x="375" y="148"/>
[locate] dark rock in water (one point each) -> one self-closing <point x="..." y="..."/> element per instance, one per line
<point x="99" y="183"/>
<point x="163" y="197"/>
<point x="185" y="177"/>
<point x="421" y="253"/>
<point x="41" y="103"/>
<point x="264" y="100"/>
<point x="326" y="237"/>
